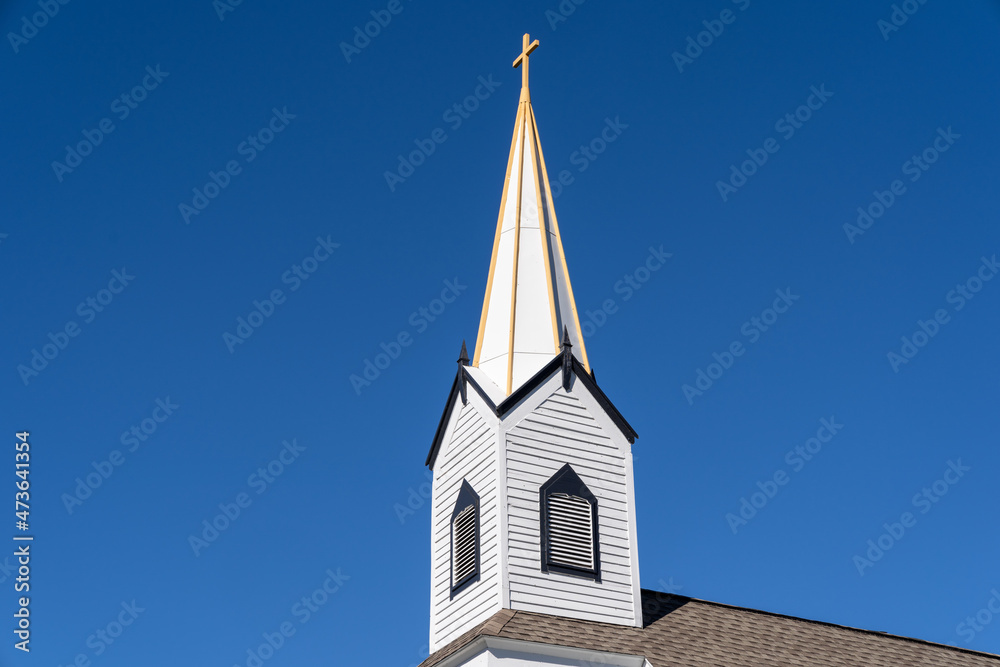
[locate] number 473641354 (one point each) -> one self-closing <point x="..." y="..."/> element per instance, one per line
<point x="22" y="468"/>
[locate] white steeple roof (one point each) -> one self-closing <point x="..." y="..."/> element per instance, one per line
<point x="529" y="300"/>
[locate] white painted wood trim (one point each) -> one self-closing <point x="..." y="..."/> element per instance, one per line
<point x="501" y="452"/>
<point x="634" y="540"/>
<point x="501" y="647"/>
<point x="465" y="654"/>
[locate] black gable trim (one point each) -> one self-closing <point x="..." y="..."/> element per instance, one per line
<point x="531" y="385"/>
<point x="523" y="392"/>
<point x="443" y="424"/>
<point x="590" y="383"/>
<point x="461" y="377"/>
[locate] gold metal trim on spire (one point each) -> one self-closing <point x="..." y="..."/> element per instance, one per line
<point x="496" y="240"/>
<point x="560" y="253"/>
<point x="517" y="251"/>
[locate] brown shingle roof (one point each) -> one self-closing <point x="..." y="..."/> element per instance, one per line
<point x="684" y="632"/>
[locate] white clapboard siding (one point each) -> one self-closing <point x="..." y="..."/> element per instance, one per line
<point x="469" y="454"/>
<point x="562" y="430"/>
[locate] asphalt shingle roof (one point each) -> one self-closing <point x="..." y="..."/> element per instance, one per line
<point x="685" y="632"/>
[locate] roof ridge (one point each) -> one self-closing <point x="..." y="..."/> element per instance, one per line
<point x="877" y="633"/>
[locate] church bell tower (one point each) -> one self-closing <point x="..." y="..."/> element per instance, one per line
<point x="533" y="504"/>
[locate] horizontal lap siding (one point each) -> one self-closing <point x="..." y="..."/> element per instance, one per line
<point x="471" y="455"/>
<point x="562" y="431"/>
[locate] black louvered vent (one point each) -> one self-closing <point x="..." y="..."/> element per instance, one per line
<point x="571" y="531"/>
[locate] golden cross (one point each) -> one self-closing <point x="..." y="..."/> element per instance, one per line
<point x="527" y="47"/>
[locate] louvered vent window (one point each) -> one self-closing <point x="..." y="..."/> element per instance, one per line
<point x="465" y="544"/>
<point x="465" y="539"/>
<point x="569" y="526"/>
<point x="571" y="531"/>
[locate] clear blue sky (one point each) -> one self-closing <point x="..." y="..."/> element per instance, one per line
<point x="334" y="128"/>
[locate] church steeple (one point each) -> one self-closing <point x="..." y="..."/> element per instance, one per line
<point x="533" y="505"/>
<point x="529" y="300"/>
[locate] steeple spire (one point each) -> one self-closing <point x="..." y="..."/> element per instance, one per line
<point x="529" y="301"/>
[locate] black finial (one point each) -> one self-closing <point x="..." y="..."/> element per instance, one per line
<point x="593" y="376"/>
<point x="463" y="361"/>
<point x="567" y="359"/>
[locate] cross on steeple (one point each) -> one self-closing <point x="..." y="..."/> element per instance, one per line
<point x="527" y="46"/>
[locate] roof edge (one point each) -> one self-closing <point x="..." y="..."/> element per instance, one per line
<point x="876" y="633"/>
<point x="443" y="423"/>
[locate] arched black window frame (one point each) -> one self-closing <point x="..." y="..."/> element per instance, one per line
<point x="567" y="481"/>
<point x="466" y="495"/>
